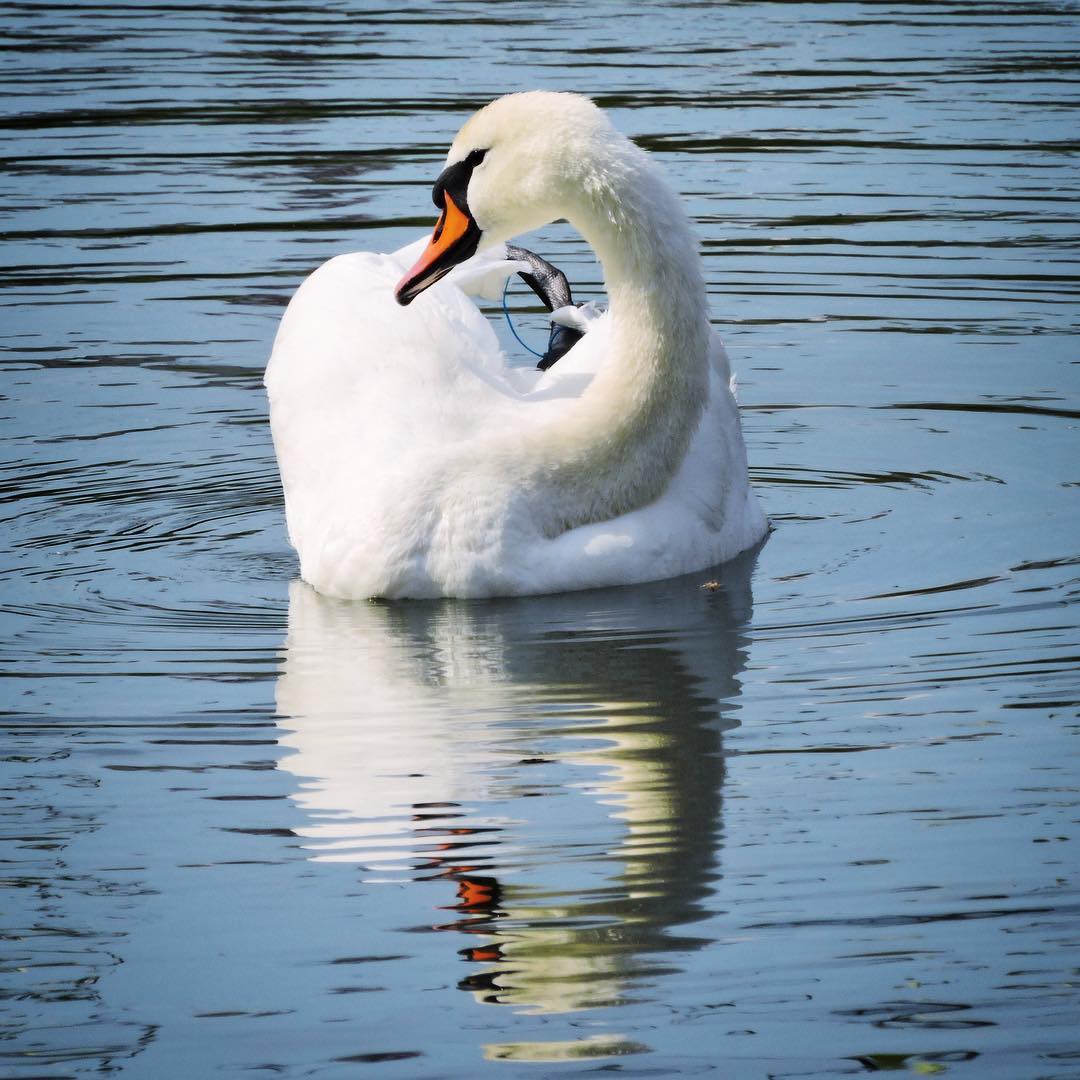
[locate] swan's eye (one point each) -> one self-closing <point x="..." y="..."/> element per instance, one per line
<point x="455" y="179"/>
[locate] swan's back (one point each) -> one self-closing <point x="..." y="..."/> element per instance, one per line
<point x="382" y="418"/>
<point x="384" y="422"/>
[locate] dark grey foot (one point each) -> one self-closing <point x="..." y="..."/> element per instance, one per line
<point x="553" y="289"/>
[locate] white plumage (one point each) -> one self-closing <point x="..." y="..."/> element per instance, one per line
<point x="416" y="462"/>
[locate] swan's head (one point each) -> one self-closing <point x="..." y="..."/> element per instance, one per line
<point x="517" y="164"/>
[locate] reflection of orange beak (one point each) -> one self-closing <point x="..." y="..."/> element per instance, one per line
<point x="477" y="893"/>
<point x="454" y="240"/>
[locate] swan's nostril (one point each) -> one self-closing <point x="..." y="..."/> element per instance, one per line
<point x="439" y="226"/>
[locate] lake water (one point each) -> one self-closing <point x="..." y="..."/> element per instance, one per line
<point x="819" y="821"/>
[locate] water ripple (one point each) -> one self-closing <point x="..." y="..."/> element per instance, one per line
<point x="815" y="818"/>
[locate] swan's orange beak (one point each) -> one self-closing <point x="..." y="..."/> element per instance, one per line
<point x="454" y="240"/>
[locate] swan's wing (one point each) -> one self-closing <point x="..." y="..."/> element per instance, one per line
<point x="361" y="387"/>
<point x="346" y="347"/>
<point x="370" y="402"/>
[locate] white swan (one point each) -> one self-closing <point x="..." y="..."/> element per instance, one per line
<point x="415" y="462"/>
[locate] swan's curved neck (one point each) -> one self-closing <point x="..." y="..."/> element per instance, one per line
<point x="622" y="442"/>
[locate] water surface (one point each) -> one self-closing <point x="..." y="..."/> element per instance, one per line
<point x="817" y="821"/>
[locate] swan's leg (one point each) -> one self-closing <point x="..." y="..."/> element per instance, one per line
<point x="561" y="341"/>
<point x="550" y="284"/>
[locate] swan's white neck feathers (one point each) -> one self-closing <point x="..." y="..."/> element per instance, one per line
<point x="619" y="446"/>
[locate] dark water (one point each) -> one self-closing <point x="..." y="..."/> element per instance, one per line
<point x="821" y="821"/>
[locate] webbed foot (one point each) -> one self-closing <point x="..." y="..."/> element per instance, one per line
<point x="551" y="286"/>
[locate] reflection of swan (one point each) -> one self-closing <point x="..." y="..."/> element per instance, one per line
<point x="556" y="761"/>
<point x="415" y="463"/>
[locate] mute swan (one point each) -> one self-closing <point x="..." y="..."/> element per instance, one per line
<point x="416" y="463"/>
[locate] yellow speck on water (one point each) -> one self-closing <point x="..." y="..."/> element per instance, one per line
<point x="711" y="586"/>
<point x="927" y="1068"/>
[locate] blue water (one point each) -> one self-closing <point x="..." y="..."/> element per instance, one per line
<point x="820" y="820"/>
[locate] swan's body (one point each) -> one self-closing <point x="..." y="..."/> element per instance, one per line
<point x="416" y="463"/>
